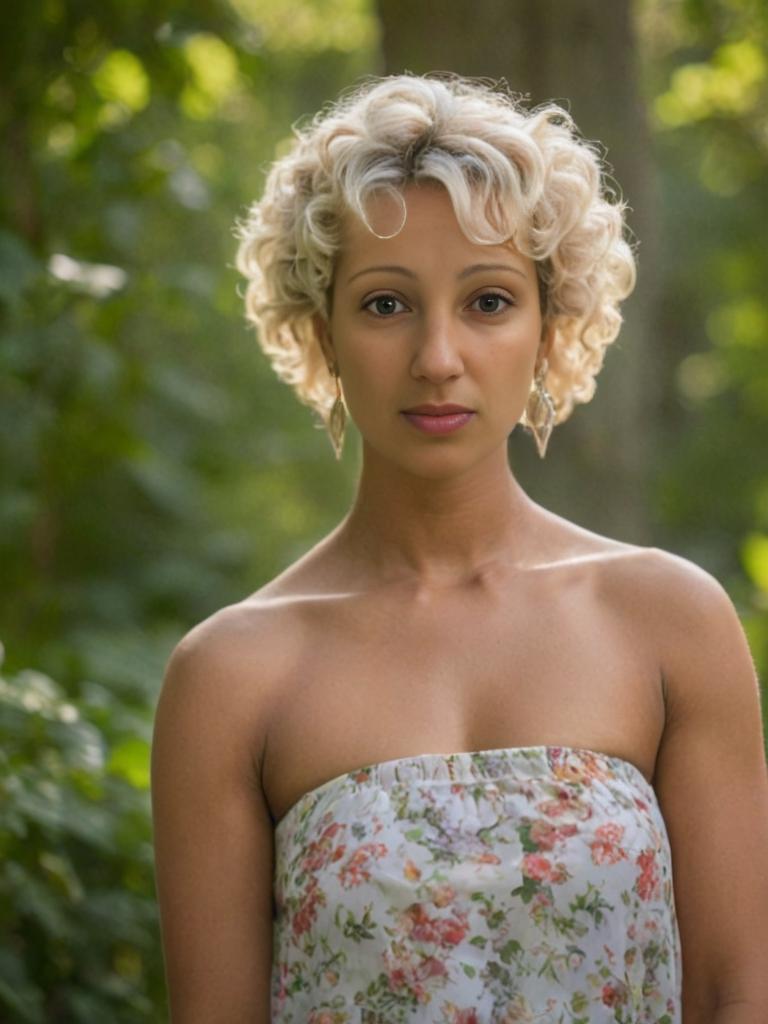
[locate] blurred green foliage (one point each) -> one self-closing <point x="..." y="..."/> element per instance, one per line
<point x="154" y="471"/>
<point x="79" y="915"/>
<point x="706" y="80"/>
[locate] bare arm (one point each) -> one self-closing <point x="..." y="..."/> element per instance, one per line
<point x="713" y="789"/>
<point x="212" y="833"/>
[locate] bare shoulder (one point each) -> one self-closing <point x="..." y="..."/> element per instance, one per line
<point x="230" y="664"/>
<point x="691" y="614"/>
<point x="666" y="587"/>
<point x="673" y="577"/>
<point x="218" y="650"/>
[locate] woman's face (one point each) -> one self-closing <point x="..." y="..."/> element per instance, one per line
<point x="429" y="317"/>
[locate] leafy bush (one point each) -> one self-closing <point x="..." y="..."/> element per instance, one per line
<point x="79" y="912"/>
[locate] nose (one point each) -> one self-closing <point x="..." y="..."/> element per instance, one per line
<point x="437" y="357"/>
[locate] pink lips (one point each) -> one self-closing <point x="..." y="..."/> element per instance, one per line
<point x="438" y="419"/>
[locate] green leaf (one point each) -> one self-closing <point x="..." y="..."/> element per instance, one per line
<point x="131" y="759"/>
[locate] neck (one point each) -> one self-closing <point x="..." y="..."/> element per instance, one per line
<point x="437" y="530"/>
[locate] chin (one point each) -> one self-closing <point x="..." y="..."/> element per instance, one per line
<point x="430" y="459"/>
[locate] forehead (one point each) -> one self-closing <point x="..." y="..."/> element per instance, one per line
<point x="423" y="223"/>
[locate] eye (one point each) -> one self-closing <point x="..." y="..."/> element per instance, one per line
<point x="383" y="305"/>
<point x="492" y="303"/>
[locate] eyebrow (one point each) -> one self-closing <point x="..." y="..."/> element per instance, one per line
<point x="473" y="269"/>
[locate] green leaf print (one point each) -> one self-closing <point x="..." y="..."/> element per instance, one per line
<point x="469" y="970"/>
<point x="527" y="890"/>
<point x="579" y="1002"/>
<point x="528" y="845"/>
<point x="353" y="929"/>
<point x="509" y="950"/>
<point x="591" y="902"/>
<point x="496" y="918"/>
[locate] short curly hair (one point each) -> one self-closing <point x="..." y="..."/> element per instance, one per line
<point x="512" y="173"/>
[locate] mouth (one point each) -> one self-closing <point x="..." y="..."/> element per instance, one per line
<point x="436" y="410"/>
<point x="438" y="419"/>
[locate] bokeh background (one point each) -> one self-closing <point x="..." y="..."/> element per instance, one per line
<point x="152" y="469"/>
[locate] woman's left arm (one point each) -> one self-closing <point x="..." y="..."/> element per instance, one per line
<point x="712" y="784"/>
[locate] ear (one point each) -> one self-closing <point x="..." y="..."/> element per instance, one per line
<point x="320" y="326"/>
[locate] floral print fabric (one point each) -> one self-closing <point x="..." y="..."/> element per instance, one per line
<point x="524" y="884"/>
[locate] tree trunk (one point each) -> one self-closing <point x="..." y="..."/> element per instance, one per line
<point x="581" y="54"/>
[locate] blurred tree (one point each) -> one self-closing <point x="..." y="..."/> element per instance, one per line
<point x="582" y="55"/>
<point x="705" y="75"/>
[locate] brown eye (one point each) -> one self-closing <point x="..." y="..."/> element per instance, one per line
<point x="492" y="303"/>
<point x="383" y="305"/>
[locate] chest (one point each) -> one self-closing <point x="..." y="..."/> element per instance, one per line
<point x="538" y="663"/>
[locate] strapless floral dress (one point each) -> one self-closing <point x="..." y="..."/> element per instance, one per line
<point x="523" y="884"/>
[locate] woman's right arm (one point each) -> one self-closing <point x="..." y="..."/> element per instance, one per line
<point x="213" y="835"/>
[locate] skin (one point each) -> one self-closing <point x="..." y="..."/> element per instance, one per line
<point x="447" y="612"/>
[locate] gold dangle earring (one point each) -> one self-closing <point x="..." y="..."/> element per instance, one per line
<point x="338" y="417"/>
<point x="540" y="411"/>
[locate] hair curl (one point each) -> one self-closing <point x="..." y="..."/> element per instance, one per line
<point x="511" y="173"/>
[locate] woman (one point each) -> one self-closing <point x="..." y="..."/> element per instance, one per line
<point x="464" y="761"/>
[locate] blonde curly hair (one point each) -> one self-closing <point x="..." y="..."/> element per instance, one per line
<point x="513" y="174"/>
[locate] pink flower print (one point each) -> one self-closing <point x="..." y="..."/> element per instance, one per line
<point x="452" y="931"/>
<point x="282" y="989"/>
<point x="605" y="846"/>
<point x="442" y="895"/>
<point x="614" y="994"/>
<point x="565" y="803"/>
<point x="447" y="931"/>
<point x="321" y="851"/>
<point x="458" y="1016"/>
<point x="306" y="914"/>
<point x="410" y="972"/>
<point x="536" y="867"/>
<point x="559" y="874"/>
<point x="355" y="871"/>
<point x="647" y="884"/>
<point x="431" y="967"/>
<point x="452" y="1014"/>
<point x="581" y="768"/>
<point x="544" y="834"/>
<point x="486" y="857"/>
<point x="419" y="926"/>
